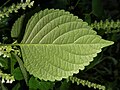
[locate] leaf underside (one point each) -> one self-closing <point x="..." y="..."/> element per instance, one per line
<point x="57" y="44"/>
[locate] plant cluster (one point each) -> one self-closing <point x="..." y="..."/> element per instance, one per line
<point x="14" y="8"/>
<point x="54" y="49"/>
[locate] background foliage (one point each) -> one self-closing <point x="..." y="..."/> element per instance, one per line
<point x="103" y="70"/>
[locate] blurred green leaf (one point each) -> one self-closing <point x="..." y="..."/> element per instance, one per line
<point x="2" y="87"/>
<point x="46" y="85"/>
<point x="18" y="74"/>
<point x="65" y="85"/>
<point x="13" y="62"/>
<point x="4" y="62"/>
<point x="24" y="72"/>
<point x="88" y="18"/>
<point x="16" y="87"/>
<point x="35" y="84"/>
<point x="97" y="8"/>
<point x="17" y="27"/>
<point x="60" y="4"/>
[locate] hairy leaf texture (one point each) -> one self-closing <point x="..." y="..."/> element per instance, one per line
<point x="57" y="44"/>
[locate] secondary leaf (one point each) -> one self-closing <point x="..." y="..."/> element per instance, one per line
<point x="98" y="8"/>
<point x="65" y="85"/>
<point x="4" y="62"/>
<point x="57" y="44"/>
<point x="33" y="83"/>
<point x="41" y="85"/>
<point x="16" y="87"/>
<point x="23" y="70"/>
<point x="18" y="74"/>
<point x="88" y="18"/>
<point x="16" y="28"/>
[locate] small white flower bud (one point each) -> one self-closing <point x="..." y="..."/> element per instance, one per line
<point x="11" y="81"/>
<point x="3" y="81"/>
<point x="4" y="56"/>
<point x="8" y="81"/>
<point x="8" y="56"/>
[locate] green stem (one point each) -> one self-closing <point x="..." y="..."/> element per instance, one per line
<point x="4" y="3"/>
<point x="2" y="87"/>
<point x="77" y="3"/>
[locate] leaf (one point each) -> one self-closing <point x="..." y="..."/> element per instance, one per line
<point x="13" y="62"/>
<point x="88" y="18"/>
<point x="57" y="44"/>
<point x="65" y="85"/>
<point x="61" y="4"/>
<point x="16" y="28"/>
<point x="18" y="74"/>
<point x="46" y="85"/>
<point x="38" y="21"/>
<point x="2" y="86"/>
<point x="42" y="85"/>
<point x="19" y="26"/>
<point x="97" y="8"/>
<point x="23" y="70"/>
<point x="4" y="62"/>
<point x="16" y="87"/>
<point x="33" y="83"/>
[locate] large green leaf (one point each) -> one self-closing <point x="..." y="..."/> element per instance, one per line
<point x="57" y="44"/>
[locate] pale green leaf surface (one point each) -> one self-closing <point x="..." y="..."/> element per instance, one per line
<point x="57" y="44"/>
<point x="41" y="19"/>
